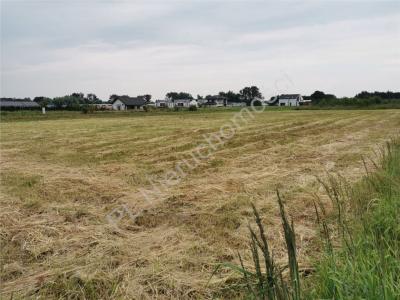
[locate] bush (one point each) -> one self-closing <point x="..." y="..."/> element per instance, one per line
<point x="88" y="109"/>
<point x="192" y="108"/>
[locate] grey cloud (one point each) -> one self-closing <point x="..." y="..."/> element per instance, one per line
<point x="202" y="47"/>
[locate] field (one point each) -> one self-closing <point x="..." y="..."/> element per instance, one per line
<point x="62" y="178"/>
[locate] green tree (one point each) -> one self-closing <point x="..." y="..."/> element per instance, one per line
<point x="146" y="97"/>
<point x="318" y="96"/>
<point x="42" y="101"/>
<point x="92" y="99"/>
<point x="250" y="93"/>
<point x="180" y="95"/>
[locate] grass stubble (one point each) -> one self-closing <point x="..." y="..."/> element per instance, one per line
<point x="61" y="177"/>
<point x="361" y="244"/>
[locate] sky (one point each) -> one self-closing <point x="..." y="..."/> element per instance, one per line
<point x="57" y="47"/>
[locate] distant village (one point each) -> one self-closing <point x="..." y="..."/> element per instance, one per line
<point x="138" y="103"/>
<point x="177" y="100"/>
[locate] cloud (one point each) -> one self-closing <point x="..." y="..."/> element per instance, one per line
<point x="200" y="47"/>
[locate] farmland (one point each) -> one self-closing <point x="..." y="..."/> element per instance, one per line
<point x="61" y="177"/>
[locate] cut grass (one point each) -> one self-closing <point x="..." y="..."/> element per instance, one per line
<point x="365" y="264"/>
<point x="63" y="176"/>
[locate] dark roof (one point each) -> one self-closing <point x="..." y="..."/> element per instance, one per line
<point x="183" y="100"/>
<point x="218" y="97"/>
<point x="273" y="100"/>
<point x="289" y="96"/>
<point x="132" y="101"/>
<point x="18" y="104"/>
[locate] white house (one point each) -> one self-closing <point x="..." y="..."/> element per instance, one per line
<point x="125" y="103"/>
<point x="236" y="104"/>
<point x="290" y="100"/>
<point x="185" y="102"/>
<point x="193" y="103"/>
<point x="271" y="102"/>
<point x="216" y="101"/>
<point x="164" y="104"/>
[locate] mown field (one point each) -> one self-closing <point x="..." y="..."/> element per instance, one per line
<point x="61" y="177"/>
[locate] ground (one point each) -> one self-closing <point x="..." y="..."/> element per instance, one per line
<point x="62" y="179"/>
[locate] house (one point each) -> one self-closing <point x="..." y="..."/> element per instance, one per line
<point x="13" y="104"/>
<point x="193" y="103"/>
<point x="271" y="102"/>
<point x="290" y="100"/>
<point x="236" y="104"/>
<point x="185" y="102"/>
<point x="126" y="102"/>
<point x="164" y="104"/>
<point x="216" y="101"/>
<point x="175" y="103"/>
<point x="201" y="102"/>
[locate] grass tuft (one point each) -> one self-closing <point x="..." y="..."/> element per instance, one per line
<point x="365" y="265"/>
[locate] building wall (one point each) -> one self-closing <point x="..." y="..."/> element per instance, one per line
<point x="236" y="104"/>
<point x="165" y="104"/>
<point x="288" y="102"/>
<point x="134" y="107"/>
<point x="178" y="103"/>
<point x="118" y="105"/>
<point x="193" y="103"/>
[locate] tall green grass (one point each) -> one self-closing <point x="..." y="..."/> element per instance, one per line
<point x="367" y="265"/>
<point x="361" y="256"/>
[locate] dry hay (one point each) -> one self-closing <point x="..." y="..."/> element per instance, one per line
<point x="61" y="178"/>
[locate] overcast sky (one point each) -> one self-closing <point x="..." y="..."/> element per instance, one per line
<point x="52" y="48"/>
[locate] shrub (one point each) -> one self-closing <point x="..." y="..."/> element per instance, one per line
<point x="88" y="109"/>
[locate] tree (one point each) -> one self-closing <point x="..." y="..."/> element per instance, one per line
<point x="146" y="97"/>
<point x="78" y="95"/>
<point x="92" y="99"/>
<point x="42" y="101"/>
<point x="250" y="93"/>
<point x="181" y="95"/>
<point x="232" y="97"/>
<point x="383" y="95"/>
<point x="318" y="96"/>
<point x="68" y="102"/>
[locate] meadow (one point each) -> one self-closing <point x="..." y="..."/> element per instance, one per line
<point x="62" y="175"/>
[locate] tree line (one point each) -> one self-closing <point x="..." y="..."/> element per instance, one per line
<point x="73" y="101"/>
<point x="364" y="98"/>
<point x="247" y="94"/>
